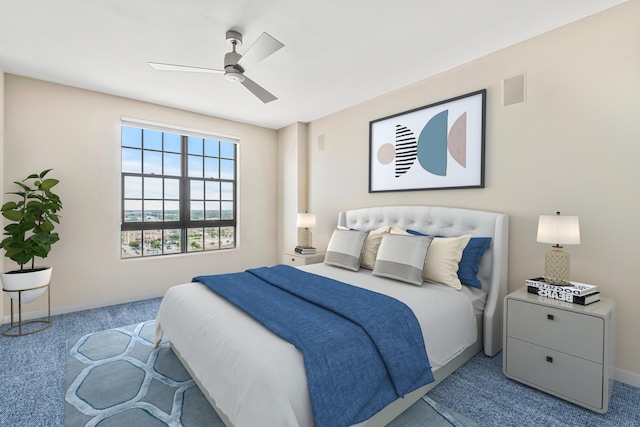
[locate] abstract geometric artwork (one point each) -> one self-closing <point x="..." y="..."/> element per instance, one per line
<point x="438" y="146"/>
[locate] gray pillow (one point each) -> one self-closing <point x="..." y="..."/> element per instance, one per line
<point x="345" y="249"/>
<point x="402" y="257"/>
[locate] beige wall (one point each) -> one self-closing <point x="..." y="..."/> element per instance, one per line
<point x="574" y="146"/>
<point x="292" y="182"/>
<point x="77" y="133"/>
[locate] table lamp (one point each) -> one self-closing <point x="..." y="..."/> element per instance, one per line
<point x="306" y="220"/>
<point x="558" y="230"/>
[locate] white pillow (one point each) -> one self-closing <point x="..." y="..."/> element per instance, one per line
<point x="396" y="230"/>
<point x="402" y="257"/>
<point x="345" y="249"/>
<point x="371" y="245"/>
<point x="442" y="261"/>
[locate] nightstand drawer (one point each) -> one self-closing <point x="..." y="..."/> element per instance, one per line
<point x="557" y="373"/>
<point x="566" y="331"/>
<point x="295" y="259"/>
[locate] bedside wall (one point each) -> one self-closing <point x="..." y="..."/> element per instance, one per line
<point x="572" y="146"/>
<point x="293" y="166"/>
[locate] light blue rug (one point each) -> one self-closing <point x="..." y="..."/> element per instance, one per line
<point x="117" y="377"/>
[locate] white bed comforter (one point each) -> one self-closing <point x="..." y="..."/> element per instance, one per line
<point x="256" y="378"/>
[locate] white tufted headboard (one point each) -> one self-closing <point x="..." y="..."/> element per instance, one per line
<point x="450" y="222"/>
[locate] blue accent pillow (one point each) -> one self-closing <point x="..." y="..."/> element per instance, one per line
<point x="471" y="256"/>
<point x="468" y="265"/>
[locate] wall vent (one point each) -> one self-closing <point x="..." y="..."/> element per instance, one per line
<point x="513" y="90"/>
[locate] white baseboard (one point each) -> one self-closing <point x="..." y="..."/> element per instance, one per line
<point x="628" y="377"/>
<point x="79" y="307"/>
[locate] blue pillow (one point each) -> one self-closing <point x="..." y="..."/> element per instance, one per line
<point x="471" y="256"/>
<point x="468" y="266"/>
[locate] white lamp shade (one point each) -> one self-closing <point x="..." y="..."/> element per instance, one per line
<point x="306" y="220"/>
<point x="559" y="230"/>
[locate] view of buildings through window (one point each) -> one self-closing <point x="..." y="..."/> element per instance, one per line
<point x="178" y="193"/>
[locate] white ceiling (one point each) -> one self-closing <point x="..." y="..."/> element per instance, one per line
<point x="337" y="53"/>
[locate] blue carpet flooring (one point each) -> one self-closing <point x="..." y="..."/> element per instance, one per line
<point x="32" y="366"/>
<point x="480" y="391"/>
<point x="32" y="376"/>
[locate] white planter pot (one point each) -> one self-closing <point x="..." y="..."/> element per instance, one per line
<point x="18" y="281"/>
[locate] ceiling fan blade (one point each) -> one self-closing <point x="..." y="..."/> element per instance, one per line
<point x="264" y="46"/>
<point x="173" y="67"/>
<point x="258" y="90"/>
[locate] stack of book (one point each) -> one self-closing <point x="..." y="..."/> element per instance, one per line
<point x="577" y="293"/>
<point x="305" y="250"/>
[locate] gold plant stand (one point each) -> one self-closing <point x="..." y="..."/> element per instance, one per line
<point x="7" y="332"/>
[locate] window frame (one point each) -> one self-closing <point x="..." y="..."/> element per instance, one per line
<point x="185" y="223"/>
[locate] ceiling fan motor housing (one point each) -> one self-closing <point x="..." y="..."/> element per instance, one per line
<point x="233" y="71"/>
<point x="231" y="59"/>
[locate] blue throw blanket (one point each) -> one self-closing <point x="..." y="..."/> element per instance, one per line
<point x="362" y="350"/>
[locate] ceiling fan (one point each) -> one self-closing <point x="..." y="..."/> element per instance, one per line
<point x="235" y="64"/>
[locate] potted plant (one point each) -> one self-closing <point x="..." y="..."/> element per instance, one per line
<point x="30" y="234"/>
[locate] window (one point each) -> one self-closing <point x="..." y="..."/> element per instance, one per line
<point x="178" y="192"/>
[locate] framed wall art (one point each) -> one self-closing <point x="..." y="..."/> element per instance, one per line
<point x="438" y="146"/>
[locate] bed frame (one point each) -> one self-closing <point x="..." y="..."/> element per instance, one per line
<point x="493" y="273"/>
<point x="447" y="222"/>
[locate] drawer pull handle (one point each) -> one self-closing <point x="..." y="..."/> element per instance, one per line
<point x="549" y="359"/>
<point x="550" y="316"/>
<point x="293" y="259"/>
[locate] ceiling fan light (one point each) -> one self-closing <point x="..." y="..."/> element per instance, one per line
<point x="234" y="77"/>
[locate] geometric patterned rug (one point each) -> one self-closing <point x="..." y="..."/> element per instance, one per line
<point x="118" y="378"/>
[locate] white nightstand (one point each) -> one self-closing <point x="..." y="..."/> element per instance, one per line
<point x="295" y="259"/>
<point x="561" y="348"/>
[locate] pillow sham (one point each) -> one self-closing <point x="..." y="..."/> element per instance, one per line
<point x="471" y="255"/>
<point x="345" y="249"/>
<point x="371" y="245"/>
<point x="402" y="257"/>
<point x="396" y="230"/>
<point x="443" y="258"/>
<point x="468" y="267"/>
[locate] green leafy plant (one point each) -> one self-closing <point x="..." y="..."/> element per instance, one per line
<point x="30" y="233"/>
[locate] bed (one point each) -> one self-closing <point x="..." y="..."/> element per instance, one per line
<point x="253" y="377"/>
